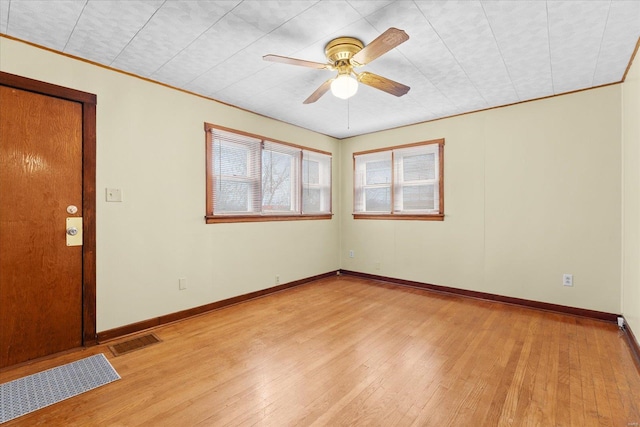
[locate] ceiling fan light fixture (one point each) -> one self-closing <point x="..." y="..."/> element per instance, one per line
<point x="344" y="86"/>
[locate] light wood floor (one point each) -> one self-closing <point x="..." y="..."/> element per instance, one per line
<point x="347" y="351"/>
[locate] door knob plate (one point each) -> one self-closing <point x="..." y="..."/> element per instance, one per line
<point x="74" y="231"/>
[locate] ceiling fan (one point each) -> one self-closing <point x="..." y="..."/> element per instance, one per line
<point x="346" y="53"/>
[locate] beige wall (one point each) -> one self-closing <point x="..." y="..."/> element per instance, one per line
<point x="150" y="143"/>
<point x="532" y="191"/>
<point x="631" y="198"/>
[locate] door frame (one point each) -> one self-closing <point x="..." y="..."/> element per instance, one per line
<point x="88" y="102"/>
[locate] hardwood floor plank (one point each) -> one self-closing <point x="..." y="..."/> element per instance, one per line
<point x="587" y="373"/>
<point x="351" y="351"/>
<point x="506" y="338"/>
<point x="561" y="366"/>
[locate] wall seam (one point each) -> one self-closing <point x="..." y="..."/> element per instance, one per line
<point x="622" y="200"/>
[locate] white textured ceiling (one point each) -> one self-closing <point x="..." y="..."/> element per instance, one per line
<point x="461" y="56"/>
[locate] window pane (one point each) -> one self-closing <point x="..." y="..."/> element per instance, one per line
<point x="231" y="160"/>
<point x="378" y="172"/>
<point x="419" y="197"/>
<point x="310" y="172"/>
<point x="276" y="181"/>
<point x="316" y="182"/>
<point x="377" y="199"/>
<point x="311" y="200"/>
<point x="232" y="196"/>
<point x="419" y="167"/>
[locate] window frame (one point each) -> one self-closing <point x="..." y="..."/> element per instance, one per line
<point x="211" y="217"/>
<point x="393" y="214"/>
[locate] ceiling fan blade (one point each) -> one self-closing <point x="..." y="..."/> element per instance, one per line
<point x="382" y="83"/>
<point x="324" y="87"/>
<point x="381" y="45"/>
<point x="294" y="61"/>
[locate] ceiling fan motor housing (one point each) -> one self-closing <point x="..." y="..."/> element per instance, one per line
<point x="339" y="51"/>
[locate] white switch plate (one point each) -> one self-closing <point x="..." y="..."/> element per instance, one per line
<point x="567" y="279"/>
<point x="114" y="195"/>
<point x="182" y="283"/>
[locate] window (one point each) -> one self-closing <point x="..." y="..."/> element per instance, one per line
<point x="250" y="178"/>
<point x="404" y="182"/>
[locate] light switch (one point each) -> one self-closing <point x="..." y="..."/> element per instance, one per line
<point x="114" y="195"/>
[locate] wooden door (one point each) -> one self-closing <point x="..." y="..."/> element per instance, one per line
<point x="41" y="175"/>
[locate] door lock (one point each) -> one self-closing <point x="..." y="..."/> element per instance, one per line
<point x="72" y="231"/>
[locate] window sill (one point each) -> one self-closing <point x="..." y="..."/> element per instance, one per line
<point x="217" y="219"/>
<point x="410" y="217"/>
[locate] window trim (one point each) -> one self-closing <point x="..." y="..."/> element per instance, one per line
<point x="211" y="218"/>
<point x="396" y="215"/>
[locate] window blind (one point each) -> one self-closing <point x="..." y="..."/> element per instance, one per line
<point x="416" y="188"/>
<point x="373" y="182"/>
<point x="236" y="173"/>
<point x="316" y="182"/>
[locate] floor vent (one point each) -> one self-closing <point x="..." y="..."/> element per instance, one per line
<point x="134" y="344"/>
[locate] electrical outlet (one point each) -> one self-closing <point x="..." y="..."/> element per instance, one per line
<point x="277" y="279"/>
<point x="567" y="279"/>
<point x="377" y="265"/>
<point x="351" y="253"/>
<point x="182" y="284"/>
